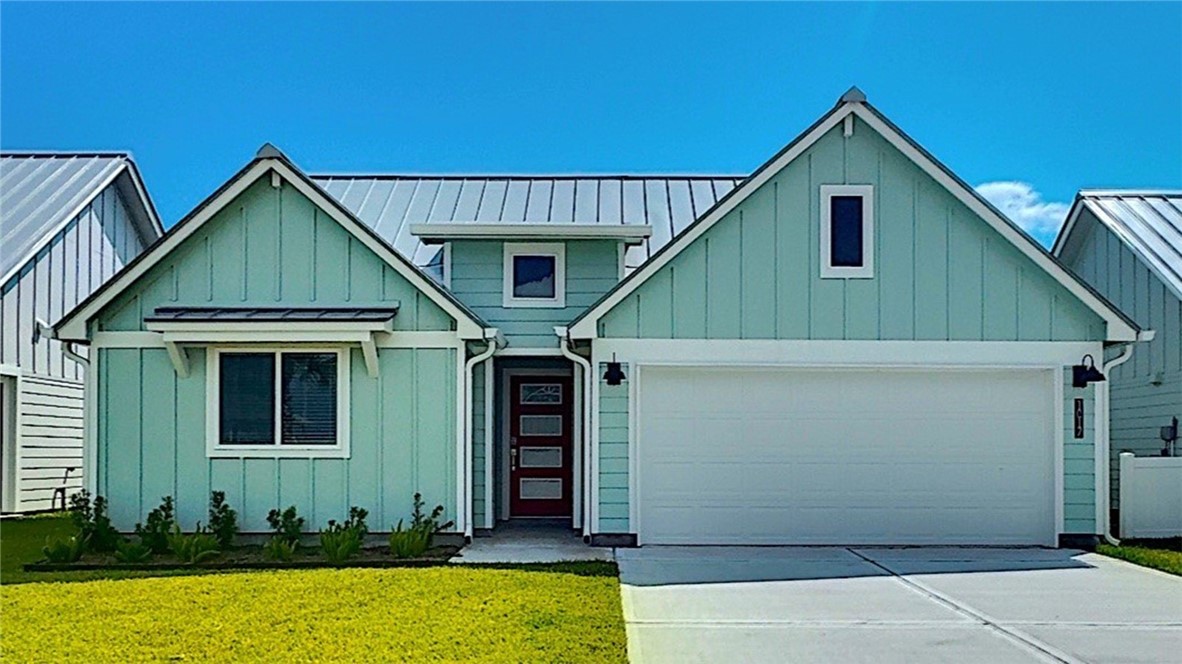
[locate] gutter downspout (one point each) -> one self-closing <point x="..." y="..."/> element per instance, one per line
<point x="564" y="343"/>
<point x="1105" y="443"/>
<point x="495" y="340"/>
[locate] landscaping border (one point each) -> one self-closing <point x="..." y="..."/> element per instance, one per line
<point x="444" y="555"/>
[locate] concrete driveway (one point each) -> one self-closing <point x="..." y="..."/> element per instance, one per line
<point x="880" y="605"/>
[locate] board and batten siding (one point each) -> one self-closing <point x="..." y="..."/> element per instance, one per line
<point x="151" y="435"/>
<point x="613" y="455"/>
<point x="1146" y="391"/>
<point x="87" y="251"/>
<point x="477" y="278"/>
<point x="479" y="507"/>
<point x="941" y="272"/>
<point x="273" y="247"/>
<point x="1079" y="460"/>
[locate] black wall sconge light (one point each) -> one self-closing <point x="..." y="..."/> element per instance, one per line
<point x="1085" y="372"/>
<point x="615" y="372"/>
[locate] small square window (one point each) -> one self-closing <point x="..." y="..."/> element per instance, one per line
<point x="847" y="231"/>
<point x="534" y="274"/>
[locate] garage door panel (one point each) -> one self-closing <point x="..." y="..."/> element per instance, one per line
<point x="891" y="457"/>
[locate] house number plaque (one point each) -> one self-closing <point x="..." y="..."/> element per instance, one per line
<point x="1079" y="419"/>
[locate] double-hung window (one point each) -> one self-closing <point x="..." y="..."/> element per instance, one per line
<point x="278" y="402"/>
<point x="535" y="274"/>
<point x="847" y="231"/>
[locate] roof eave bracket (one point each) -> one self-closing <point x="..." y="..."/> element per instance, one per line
<point x="179" y="357"/>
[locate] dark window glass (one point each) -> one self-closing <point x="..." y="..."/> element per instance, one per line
<point x="845" y="233"/>
<point x="247" y="399"/>
<point x="309" y="415"/>
<point x="533" y="276"/>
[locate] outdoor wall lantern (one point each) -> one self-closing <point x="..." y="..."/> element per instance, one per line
<point x="615" y="372"/>
<point x="1085" y="372"/>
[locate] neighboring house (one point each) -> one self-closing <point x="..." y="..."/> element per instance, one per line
<point x="68" y="222"/>
<point x="1128" y="246"/>
<point x="848" y="346"/>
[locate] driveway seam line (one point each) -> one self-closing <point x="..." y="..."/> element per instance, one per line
<point x="1013" y="634"/>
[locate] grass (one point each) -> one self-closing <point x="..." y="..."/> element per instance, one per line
<point x="564" y="612"/>
<point x="1165" y="555"/>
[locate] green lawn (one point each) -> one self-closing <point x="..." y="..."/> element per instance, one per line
<point x="569" y="612"/>
<point x="1165" y="556"/>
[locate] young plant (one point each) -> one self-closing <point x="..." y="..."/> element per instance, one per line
<point x="286" y="524"/>
<point x="278" y="548"/>
<point x="342" y="541"/>
<point x="195" y="548"/>
<point x="133" y="552"/>
<point x="223" y="521"/>
<point x="414" y="541"/>
<point x="92" y="522"/>
<point x="68" y="550"/>
<point x="155" y="530"/>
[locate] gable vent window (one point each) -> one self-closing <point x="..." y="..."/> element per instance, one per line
<point x="535" y="274"/>
<point x="277" y="403"/>
<point x="847" y="231"/>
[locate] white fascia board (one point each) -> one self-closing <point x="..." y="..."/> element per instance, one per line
<point x="73" y="327"/>
<point x="436" y="233"/>
<point x="1118" y="328"/>
<point x="48" y="236"/>
<point x="586" y="327"/>
<point x="1068" y="227"/>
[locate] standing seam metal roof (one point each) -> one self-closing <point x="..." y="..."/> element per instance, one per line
<point x="1149" y="222"/>
<point x="41" y="191"/>
<point x="390" y="204"/>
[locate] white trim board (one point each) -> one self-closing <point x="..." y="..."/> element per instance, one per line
<point x="132" y="339"/>
<point x="436" y="233"/>
<point x="73" y="325"/>
<point x="1119" y="328"/>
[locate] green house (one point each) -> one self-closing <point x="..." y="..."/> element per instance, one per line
<point x="846" y="346"/>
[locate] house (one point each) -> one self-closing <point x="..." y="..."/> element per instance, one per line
<point x="68" y="222"/>
<point x="1128" y="246"/>
<point x="847" y="346"/>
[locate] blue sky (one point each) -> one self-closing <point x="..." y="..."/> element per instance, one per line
<point x="1043" y="99"/>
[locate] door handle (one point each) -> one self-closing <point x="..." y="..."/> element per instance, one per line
<point x="513" y="459"/>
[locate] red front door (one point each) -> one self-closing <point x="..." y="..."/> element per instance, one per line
<point x="540" y="449"/>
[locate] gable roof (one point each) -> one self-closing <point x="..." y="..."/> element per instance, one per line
<point x="41" y="192"/>
<point x="392" y="204"/>
<point x="853" y="104"/>
<point x="73" y="325"/>
<point x="1148" y="222"/>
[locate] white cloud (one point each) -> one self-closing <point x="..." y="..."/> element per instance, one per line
<point x="1026" y="207"/>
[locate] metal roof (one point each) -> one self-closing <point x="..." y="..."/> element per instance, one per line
<point x="42" y="191"/>
<point x="1149" y="222"/>
<point x="267" y="314"/>
<point x="390" y="204"/>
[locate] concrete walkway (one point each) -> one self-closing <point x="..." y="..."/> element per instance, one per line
<point x="530" y="542"/>
<point x="918" y="605"/>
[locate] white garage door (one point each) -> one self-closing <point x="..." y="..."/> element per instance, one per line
<point x="776" y="456"/>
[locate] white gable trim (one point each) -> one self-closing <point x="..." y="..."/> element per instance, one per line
<point x="73" y="326"/>
<point x="1119" y="329"/>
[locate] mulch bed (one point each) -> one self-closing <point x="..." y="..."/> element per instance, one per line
<point x="251" y="557"/>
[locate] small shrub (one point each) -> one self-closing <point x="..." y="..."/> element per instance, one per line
<point x="223" y="521"/>
<point x="92" y="522"/>
<point x="278" y="548"/>
<point x="414" y="541"/>
<point x="339" y="543"/>
<point x="133" y="552"/>
<point x="68" y="550"/>
<point x="286" y="524"/>
<point x="194" y="548"/>
<point x="157" y="528"/>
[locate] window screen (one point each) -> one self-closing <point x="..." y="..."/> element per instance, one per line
<point x="845" y="237"/>
<point x="309" y="399"/>
<point x="247" y="399"/>
<point x="533" y="276"/>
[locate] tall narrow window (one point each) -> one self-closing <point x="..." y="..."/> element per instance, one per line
<point x="847" y="231"/>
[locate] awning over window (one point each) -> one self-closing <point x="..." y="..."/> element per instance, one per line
<point x="196" y="326"/>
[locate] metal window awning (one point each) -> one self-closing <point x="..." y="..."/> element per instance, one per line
<point x="194" y="326"/>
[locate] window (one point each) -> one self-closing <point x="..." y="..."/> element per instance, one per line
<point x="847" y="231"/>
<point x="277" y="402"/>
<point x="535" y="274"/>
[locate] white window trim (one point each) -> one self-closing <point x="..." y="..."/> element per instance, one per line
<point x="555" y="249"/>
<point x="213" y="446"/>
<point x="866" y="270"/>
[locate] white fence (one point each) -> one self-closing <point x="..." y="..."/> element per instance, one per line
<point x="1150" y="496"/>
